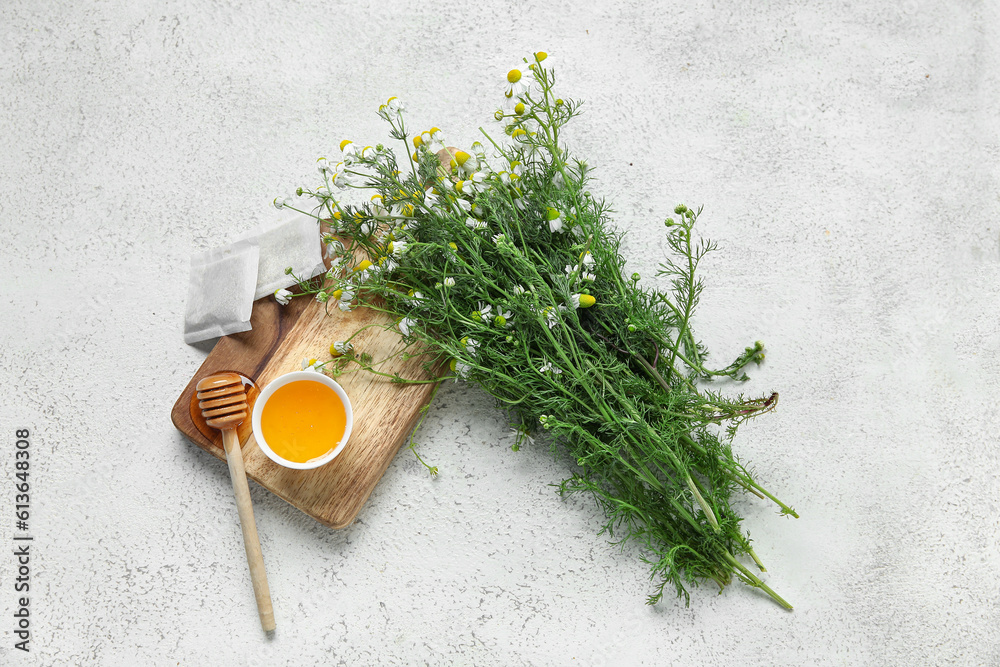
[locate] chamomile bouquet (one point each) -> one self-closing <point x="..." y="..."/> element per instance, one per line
<point x="500" y="266"/>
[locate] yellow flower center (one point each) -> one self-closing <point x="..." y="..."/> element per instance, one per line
<point x="461" y="157"/>
<point x="363" y="265"/>
<point x="453" y="246"/>
<point x="586" y="301"/>
<point x="344" y="143"/>
<point x="519" y="108"/>
<point x="540" y="56"/>
<point x="337" y="293"/>
<point x="334" y="352"/>
<point x="500" y="320"/>
<point x="551" y="214"/>
<point x="418" y="141"/>
<point x="514" y="76"/>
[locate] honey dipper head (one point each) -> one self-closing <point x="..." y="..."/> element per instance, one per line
<point x="222" y="400"/>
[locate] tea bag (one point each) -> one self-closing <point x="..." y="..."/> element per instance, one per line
<point x="293" y="243"/>
<point x="221" y="291"/>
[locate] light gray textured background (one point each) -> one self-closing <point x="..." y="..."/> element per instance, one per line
<point x="847" y="156"/>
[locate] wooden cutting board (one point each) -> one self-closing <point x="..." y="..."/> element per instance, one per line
<point x="384" y="412"/>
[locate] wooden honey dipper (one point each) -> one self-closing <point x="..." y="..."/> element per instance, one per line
<point x="223" y="404"/>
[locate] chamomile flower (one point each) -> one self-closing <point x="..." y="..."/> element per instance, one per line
<point x="341" y="179"/>
<point x="550" y="315"/>
<point x="517" y="82"/>
<point x="432" y="140"/>
<point x="466" y="188"/>
<point x="518" y="289"/>
<point x="394" y="105"/>
<point x="340" y="348"/>
<point x="282" y="202"/>
<point x="582" y="301"/>
<point x="349" y="150"/>
<point x="520" y="435"/>
<point x="521" y="135"/>
<point x="464" y="163"/>
<point x="406" y="325"/>
<point x="282" y="296"/>
<point x="345" y="296"/>
<point x="334" y="248"/>
<point x="499" y="238"/>
<point x="586" y="259"/>
<point x="386" y="265"/>
<point x="449" y="282"/>
<point x="396" y="248"/>
<point x="310" y="365"/>
<point x="472" y="223"/>
<point x="431" y="200"/>
<point x="460" y="369"/>
<point x="471" y="345"/>
<point x="483" y="313"/>
<point x="555" y="220"/>
<point x="547" y="367"/>
<point x="503" y="319"/>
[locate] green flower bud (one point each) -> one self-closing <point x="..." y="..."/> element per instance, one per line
<point x="636" y="277"/>
<point x="680" y="209"/>
<point x="498" y="114"/>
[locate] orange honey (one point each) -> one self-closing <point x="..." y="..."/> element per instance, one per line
<point x="303" y="420"/>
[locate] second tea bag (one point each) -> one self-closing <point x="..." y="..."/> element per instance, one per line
<point x="220" y="292"/>
<point x="293" y="243"/>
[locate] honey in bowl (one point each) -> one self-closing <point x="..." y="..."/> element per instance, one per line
<point x="303" y="420"/>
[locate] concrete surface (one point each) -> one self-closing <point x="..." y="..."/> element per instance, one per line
<point x="847" y="156"/>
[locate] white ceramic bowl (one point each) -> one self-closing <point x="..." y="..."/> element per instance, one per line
<point x="281" y="381"/>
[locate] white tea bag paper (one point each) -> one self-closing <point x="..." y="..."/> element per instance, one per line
<point x="221" y="292"/>
<point x="293" y="243"/>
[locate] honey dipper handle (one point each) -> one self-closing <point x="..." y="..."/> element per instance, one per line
<point x="258" y="576"/>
